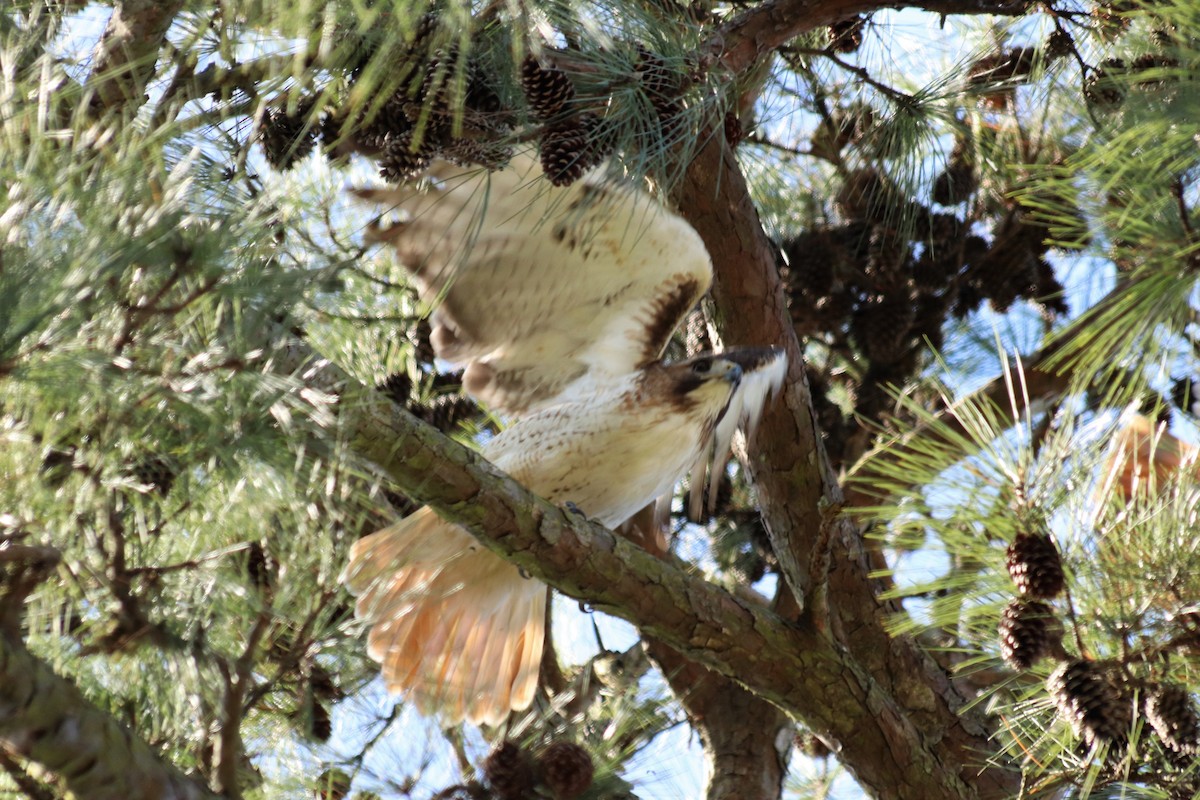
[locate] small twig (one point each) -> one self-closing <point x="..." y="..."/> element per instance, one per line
<point x="229" y="746"/>
<point x="33" y="564"/>
<point x="859" y="72"/>
<point x="192" y="564"/>
<point x="29" y="786"/>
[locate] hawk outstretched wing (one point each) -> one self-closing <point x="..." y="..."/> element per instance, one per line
<point x="559" y="303"/>
<point x="543" y="292"/>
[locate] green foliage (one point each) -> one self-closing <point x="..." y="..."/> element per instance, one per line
<point x="156" y="267"/>
<point x="965" y="485"/>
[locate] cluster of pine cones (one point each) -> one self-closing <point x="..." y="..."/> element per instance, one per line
<point x="868" y="279"/>
<point x="1095" y="697"/>
<point x="406" y="130"/>
<point x="562" y="770"/>
<point x="409" y="127"/>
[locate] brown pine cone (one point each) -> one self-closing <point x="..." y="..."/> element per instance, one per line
<point x="1035" y="566"/>
<point x="1092" y="700"/>
<point x="547" y="90"/>
<point x="1172" y="714"/>
<point x="566" y="769"/>
<point x="509" y="771"/>
<point x="1028" y="631"/>
<point x="564" y="154"/>
<point x="846" y="36"/>
<point x="288" y="137"/>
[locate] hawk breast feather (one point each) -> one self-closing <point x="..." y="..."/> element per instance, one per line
<point x="559" y="303"/>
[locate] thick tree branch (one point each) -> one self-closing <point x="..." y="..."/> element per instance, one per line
<point x="795" y="666"/>
<point x="46" y="719"/>
<point x="740" y="731"/>
<point x="128" y="49"/>
<point x="822" y="556"/>
<point x="747" y="37"/>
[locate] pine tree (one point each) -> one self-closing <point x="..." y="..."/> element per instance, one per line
<point x="960" y="554"/>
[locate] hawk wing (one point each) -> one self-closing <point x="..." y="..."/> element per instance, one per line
<point x="540" y="290"/>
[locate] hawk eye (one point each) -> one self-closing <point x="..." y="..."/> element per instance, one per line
<point x="702" y="367"/>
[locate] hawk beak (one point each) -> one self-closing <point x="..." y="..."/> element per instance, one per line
<point x="733" y="372"/>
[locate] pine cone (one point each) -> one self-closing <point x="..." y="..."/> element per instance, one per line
<point x="1059" y="44"/>
<point x="846" y="36"/>
<point x="389" y="122"/>
<point x="1028" y="631"/>
<point x="887" y="252"/>
<point x="958" y="181"/>
<point x="842" y="127"/>
<point x="509" y="771"/>
<point x="566" y="769"/>
<point x="661" y="85"/>
<point x="432" y="99"/>
<point x="401" y="162"/>
<point x="564" y="154"/>
<point x="670" y="120"/>
<point x="1101" y="91"/>
<point x="260" y="567"/>
<point x="931" y="319"/>
<point x="865" y="194"/>
<point x="1091" y="700"/>
<point x="931" y="272"/>
<point x="421" y="338"/>
<point x="1187" y="787"/>
<point x="547" y="91"/>
<point x="397" y="386"/>
<point x="968" y="299"/>
<point x="881" y="326"/>
<point x="695" y="334"/>
<point x="467" y="152"/>
<point x="156" y="473"/>
<point x="1035" y="566"/>
<point x="812" y="259"/>
<point x="1050" y="293"/>
<point x="320" y="726"/>
<point x="287" y="138"/>
<point x="481" y="96"/>
<point x="1172" y="714"/>
<point x="1003" y="66"/>
<point x="447" y="411"/>
<point x="733" y="129"/>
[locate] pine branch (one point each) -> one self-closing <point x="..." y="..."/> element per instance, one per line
<point x="1045" y="380"/>
<point x="796" y="666"/>
<point x="749" y="36"/>
<point x="25" y="783"/>
<point x="45" y="718"/>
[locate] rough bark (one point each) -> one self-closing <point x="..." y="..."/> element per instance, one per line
<point x="822" y="556"/>
<point x="45" y="718"/>
<point x="746" y="740"/>
<point x="128" y="49"/>
<point x="758" y="30"/>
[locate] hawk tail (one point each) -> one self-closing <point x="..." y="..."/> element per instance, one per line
<point x="454" y="627"/>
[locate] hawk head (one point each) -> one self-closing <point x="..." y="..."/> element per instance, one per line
<point x="705" y="379"/>
<point x="704" y="383"/>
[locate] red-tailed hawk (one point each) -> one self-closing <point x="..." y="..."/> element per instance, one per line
<point x="559" y="302"/>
